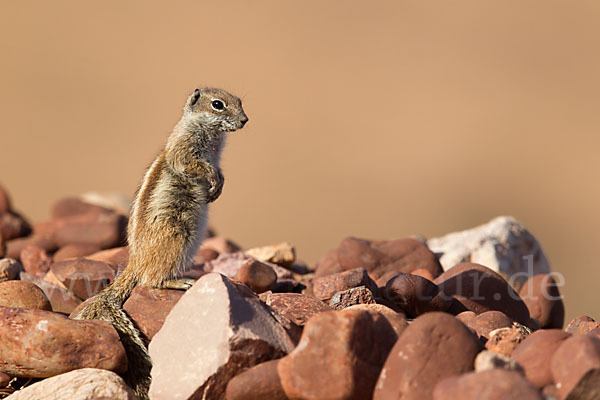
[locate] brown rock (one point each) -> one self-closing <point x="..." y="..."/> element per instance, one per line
<point x="205" y="254"/>
<point x="220" y="245"/>
<point x="83" y="277"/>
<point x="479" y="289"/>
<point x="435" y="346"/>
<point x="535" y="353"/>
<point x="424" y="273"/>
<point x="489" y="321"/>
<point x="350" y="297"/>
<point x="2" y="247"/>
<point x="23" y="294"/>
<point x="260" y="382"/>
<point x="468" y="318"/>
<point x="229" y="264"/>
<point x="582" y="325"/>
<point x="324" y="287"/>
<point x="61" y="300"/>
<point x="75" y="251"/>
<point x="115" y="256"/>
<point x="15" y="247"/>
<point x="9" y="269"/>
<point x="298" y="308"/>
<point x="39" y="344"/>
<point x="282" y="254"/>
<point x="575" y="365"/>
<point x="505" y="340"/>
<point x="71" y="206"/>
<point x="495" y="384"/>
<point x="35" y="260"/>
<point x="540" y="294"/>
<point x="355" y="346"/>
<point x="379" y="257"/>
<point x="222" y="329"/>
<point x="5" y="205"/>
<point x="550" y="392"/>
<point x="487" y="360"/>
<point x="81" y="384"/>
<point x="149" y="307"/>
<point x="415" y="295"/>
<point x="257" y="275"/>
<point x="98" y="229"/>
<point x="13" y="226"/>
<point x="395" y="319"/>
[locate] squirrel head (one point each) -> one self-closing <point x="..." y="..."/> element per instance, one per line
<point x="215" y="109"/>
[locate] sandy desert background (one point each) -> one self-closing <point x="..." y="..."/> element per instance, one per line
<point x="377" y="119"/>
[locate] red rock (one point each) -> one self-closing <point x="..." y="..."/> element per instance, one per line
<point x="83" y="277"/>
<point x="257" y="275"/>
<point x="576" y="357"/>
<point x="423" y="273"/>
<point x="219" y="244"/>
<point x="282" y="254"/>
<point x="23" y="294"/>
<point x="489" y="321"/>
<point x="540" y="294"/>
<point x="468" y="318"/>
<point x="61" y="300"/>
<point x="71" y="206"/>
<point x="9" y="269"/>
<point x="75" y="251"/>
<point x="229" y="264"/>
<point x="505" y="340"/>
<point x="415" y="295"/>
<point x="39" y="344"/>
<point x="379" y="257"/>
<point x="5" y="205"/>
<point x="479" y="289"/>
<point x="396" y="320"/>
<point x="260" y="382"/>
<point x="13" y="226"/>
<point x="4" y="379"/>
<point x="324" y="287"/>
<point x="149" y="307"/>
<point x="115" y="256"/>
<point x="35" y="260"/>
<point x="221" y="329"/>
<point x="205" y="254"/>
<point x="495" y="384"/>
<point x="535" y="353"/>
<point x="298" y="308"/>
<point x="15" y="247"/>
<point x="2" y="247"/>
<point x="582" y="325"/>
<point x="350" y="297"/>
<point x="355" y="345"/>
<point x="101" y="230"/>
<point x="435" y="346"/>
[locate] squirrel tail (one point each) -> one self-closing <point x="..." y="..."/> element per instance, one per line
<point x="108" y="306"/>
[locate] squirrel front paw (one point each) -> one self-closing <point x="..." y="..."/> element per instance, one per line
<point x="215" y="186"/>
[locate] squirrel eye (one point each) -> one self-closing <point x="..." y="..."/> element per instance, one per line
<point x="217" y="105"/>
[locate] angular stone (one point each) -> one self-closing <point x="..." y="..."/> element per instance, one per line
<point x="487" y="360"/>
<point x="495" y="384"/>
<point x="229" y="264"/>
<point x="489" y="321"/>
<point x="356" y="346"/>
<point x="61" y="300"/>
<point x="35" y="260"/>
<point x="149" y="307"/>
<point x="75" y="251"/>
<point x="40" y="344"/>
<point x="435" y="346"/>
<point x="505" y="340"/>
<point x="540" y="294"/>
<point x="116" y="256"/>
<point x="99" y="229"/>
<point x="503" y="245"/>
<point x="415" y="295"/>
<point x="260" y="382"/>
<point x="582" y="325"/>
<point x="257" y="275"/>
<point x="324" y="287"/>
<point x="85" y="278"/>
<point x="379" y="257"/>
<point x="479" y="289"/>
<point x="81" y="384"/>
<point x="72" y="206"/>
<point x="9" y="269"/>
<point x="535" y="353"/>
<point x="297" y="307"/>
<point x="350" y="297"/>
<point x="13" y="226"/>
<point x="282" y="254"/>
<point x="23" y="294"/>
<point x="222" y="329"/>
<point x="575" y="357"/>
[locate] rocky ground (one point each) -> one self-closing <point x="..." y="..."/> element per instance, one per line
<point x="472" y="315"/>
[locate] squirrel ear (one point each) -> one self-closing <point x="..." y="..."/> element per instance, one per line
<point x="194" y="97"/>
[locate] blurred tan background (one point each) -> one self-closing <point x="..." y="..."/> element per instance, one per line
<point x="377" y="119"/>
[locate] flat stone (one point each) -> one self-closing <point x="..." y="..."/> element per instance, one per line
<point x="102" y="230"/>
<point x="222" y="329"/>
<point x="14" y="247"/>
<point x="576" y="364"/>
<point x="504" y="245"/>
<point x="118" y="256"/>
<point x="74" y="251"/>
<point x="40" y="344"/>
<point x="260" y="382"/>
<point x="282" y="254"/>
<point x="298" y="308"/>
<point x="81" y="384"/>
<point x="435" y="346"/>
<point x="85" y="278"/>
<point x="355" y="343"/>
<point x="72" y="206"/>
<point x="23" y="294"/>
<point x="542" y="297"/>
<point x="61" y="300"/>
<point x="324" y="287"/>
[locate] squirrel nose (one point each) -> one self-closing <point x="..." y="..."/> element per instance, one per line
<point x="244" y="120"/>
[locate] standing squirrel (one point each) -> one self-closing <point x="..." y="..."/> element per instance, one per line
<point x="168" y="218"/>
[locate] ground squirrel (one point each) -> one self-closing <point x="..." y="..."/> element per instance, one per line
<point x="168" y="217"/>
